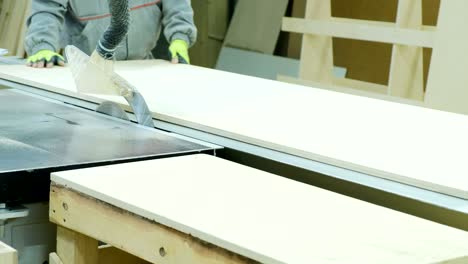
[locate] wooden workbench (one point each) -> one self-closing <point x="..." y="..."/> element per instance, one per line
<point x="417" y="146"/>
<point x="202" y="209"/>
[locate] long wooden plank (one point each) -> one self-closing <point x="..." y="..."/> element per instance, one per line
<point x="256" y="25"/>
<point x="20" y="49"/>
<point x="12" y="22"/>
<point x="360" y="29"/>
<point x="259" y="215"/>
<point x="414" y="145"/>
<point x="211" y="19"/>
<point x="107" y="255"/>
<point x="317" y="51"/>
<point x="406" y="71"/>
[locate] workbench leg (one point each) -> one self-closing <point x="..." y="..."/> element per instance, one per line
<point x="76" y="248"/>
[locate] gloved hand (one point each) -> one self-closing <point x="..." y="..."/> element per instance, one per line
<point x="179" y="48"/>
<point x="45" y="58"/>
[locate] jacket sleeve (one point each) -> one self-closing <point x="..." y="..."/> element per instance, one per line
<point x="178" y="21"/>
<point x="45" y="25"/>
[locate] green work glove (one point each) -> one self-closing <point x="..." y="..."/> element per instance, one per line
<point x="179" y="51"/>
<point x="45" y="58"/>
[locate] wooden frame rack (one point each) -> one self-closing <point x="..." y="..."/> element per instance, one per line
<point x="447" y="79"/>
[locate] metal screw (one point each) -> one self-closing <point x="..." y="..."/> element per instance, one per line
<point x="65" y="206"/>
<point x="162" y="252"/>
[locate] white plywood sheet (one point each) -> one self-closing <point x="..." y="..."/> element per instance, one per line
<point x="414" y="145"/>
<point x="256" y="64"/>
<point x="262" y="65"/>
<point x="256" y="25"/>
<point x="263" y="216"/>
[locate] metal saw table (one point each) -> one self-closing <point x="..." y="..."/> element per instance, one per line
<point x="39" y="135"/>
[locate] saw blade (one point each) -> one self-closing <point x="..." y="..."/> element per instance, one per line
<point x="95" y="75"/>
<point x="112" y="109"/>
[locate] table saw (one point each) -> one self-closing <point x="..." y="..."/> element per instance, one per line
<point x="75" y="115"/>
<point x="40" y="135"/>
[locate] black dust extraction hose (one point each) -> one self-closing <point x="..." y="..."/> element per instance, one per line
<point x="117" y="30"/>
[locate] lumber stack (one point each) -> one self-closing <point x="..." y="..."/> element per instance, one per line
<point x="212" y="19"/>
<point x="13" y="15"/>
<point x="252" y="40"/>
<point x="256" y="25"/>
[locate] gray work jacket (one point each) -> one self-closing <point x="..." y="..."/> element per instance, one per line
<point x="56" y="23"/>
